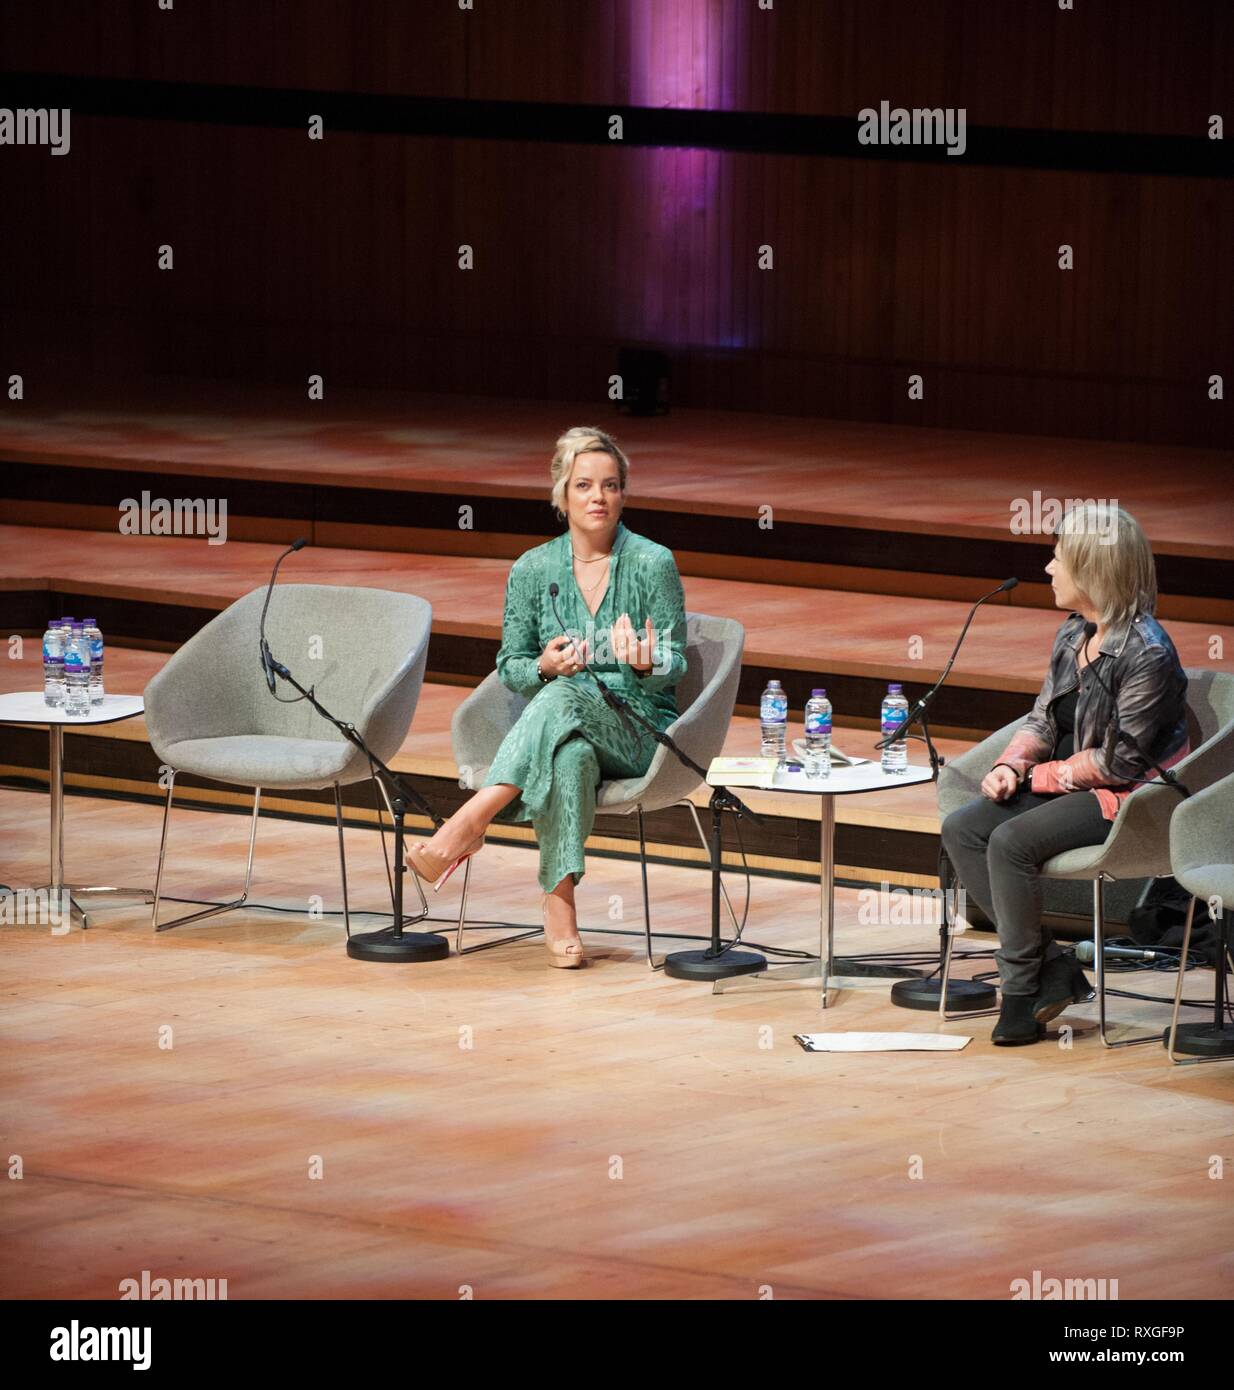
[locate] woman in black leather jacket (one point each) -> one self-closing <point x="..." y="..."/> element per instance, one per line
<point x="1113" y="704"/>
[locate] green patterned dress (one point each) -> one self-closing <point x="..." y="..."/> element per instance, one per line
<point x="567" y="739"/>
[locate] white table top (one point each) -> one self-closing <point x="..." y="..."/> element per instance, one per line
<point x="27" y="707"/>
<point x="844" y="781"/>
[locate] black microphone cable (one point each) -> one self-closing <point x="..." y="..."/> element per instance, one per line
<point x="268" y="664"/>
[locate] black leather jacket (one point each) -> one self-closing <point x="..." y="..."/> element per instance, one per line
<point x="1120" y="734"/>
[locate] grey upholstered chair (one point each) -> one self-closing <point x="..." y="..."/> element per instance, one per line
<point x="1201" y="845"/>
<point x="209" y="712"/>
<point x="1138" y="845"/>
<point x="706" y="695"/>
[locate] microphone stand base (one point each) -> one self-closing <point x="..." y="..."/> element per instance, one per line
<point x="962" y="995"/>
<point x="700" y="965"/>
<point x="1202" y="1040"/>
<point x="412" y="947"/>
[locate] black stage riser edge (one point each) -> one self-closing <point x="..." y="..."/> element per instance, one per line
<point x="798" y="542"/>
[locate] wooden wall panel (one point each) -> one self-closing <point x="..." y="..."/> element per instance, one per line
<point x="1115" y="65"/>
<point x="295" y="256"/>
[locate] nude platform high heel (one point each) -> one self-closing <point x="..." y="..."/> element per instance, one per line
<point x="568" y="955"/>
<point x="436" y="868"/>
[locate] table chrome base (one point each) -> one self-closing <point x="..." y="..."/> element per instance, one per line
<point x="806" y="972"/>
<point x="78" y="895"/>
<point x="826" y="971"/>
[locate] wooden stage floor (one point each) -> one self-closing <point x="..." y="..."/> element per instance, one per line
<point x="904" y="511"/>
<point x="608" y="1133"/>
<point x="886" y="477"/>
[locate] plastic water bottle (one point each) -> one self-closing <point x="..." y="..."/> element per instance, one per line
<point x="895" y="707"/>
<point x="818" y="727"/>
<point x="90" y="629"/>
<point x="773" y="720"/>
<point x="53" y="666"/>
<point x="77" y="673"/>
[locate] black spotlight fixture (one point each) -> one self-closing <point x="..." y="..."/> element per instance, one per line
<point x="644" y="374"/>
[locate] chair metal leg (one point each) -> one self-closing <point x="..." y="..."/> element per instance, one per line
<point x="1223" y="963"/>
<point x="158" y="875"/>
<point x="942" y="998"/>
<point x="1099" y="960"/>
<point x="948" y="947"/>
<point x="459" y="948"/>
<point x="642" y="859"/>
<point x="342" y="856"/>
<point x="1178" y="987"/>
<point x="462" y="910"/>
<point x="220" y="907"/>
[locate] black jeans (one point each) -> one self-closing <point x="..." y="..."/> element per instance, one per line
<point x="998" y="847"/>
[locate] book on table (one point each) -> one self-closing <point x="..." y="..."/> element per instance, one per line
<point x="743" y="772"/>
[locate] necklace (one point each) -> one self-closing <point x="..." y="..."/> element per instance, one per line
<point x="594" y="559"/>
<point x="592" y="588"/>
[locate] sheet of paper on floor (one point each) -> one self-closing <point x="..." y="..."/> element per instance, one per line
<point x="882" y="1042"/>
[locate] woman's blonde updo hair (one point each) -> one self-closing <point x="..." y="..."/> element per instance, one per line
<point x="1110" y="561"/>
<point x="582" y="439"/>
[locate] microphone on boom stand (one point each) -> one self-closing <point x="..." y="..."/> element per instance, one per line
<point x="389" y="943"/>
<point x="926" y="993"/>
<point x="267" y="661"/>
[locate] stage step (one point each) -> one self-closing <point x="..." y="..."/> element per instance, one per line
<point x="158" y="591"/>
<point x="820" y="504"/>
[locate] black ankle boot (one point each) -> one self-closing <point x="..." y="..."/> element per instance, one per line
<point x="1016" y="1024"/>
<point x="1063" y="983"/>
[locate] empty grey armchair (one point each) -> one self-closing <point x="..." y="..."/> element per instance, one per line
<point x="209" y="712"/>
<point x="1138" y="844"/>
<point x="1202" y="855"/>
<point x="706" y="695"/>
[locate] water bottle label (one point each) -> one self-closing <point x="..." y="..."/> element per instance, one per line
<point x="818" y="724"/>
<point x="96" y="649"/>
<point x="892" y="718"/>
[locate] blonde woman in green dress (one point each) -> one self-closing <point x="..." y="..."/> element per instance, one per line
<point x="621" y="601"/>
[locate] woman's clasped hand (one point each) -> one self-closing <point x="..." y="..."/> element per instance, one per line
<point x="566" y="656"/>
